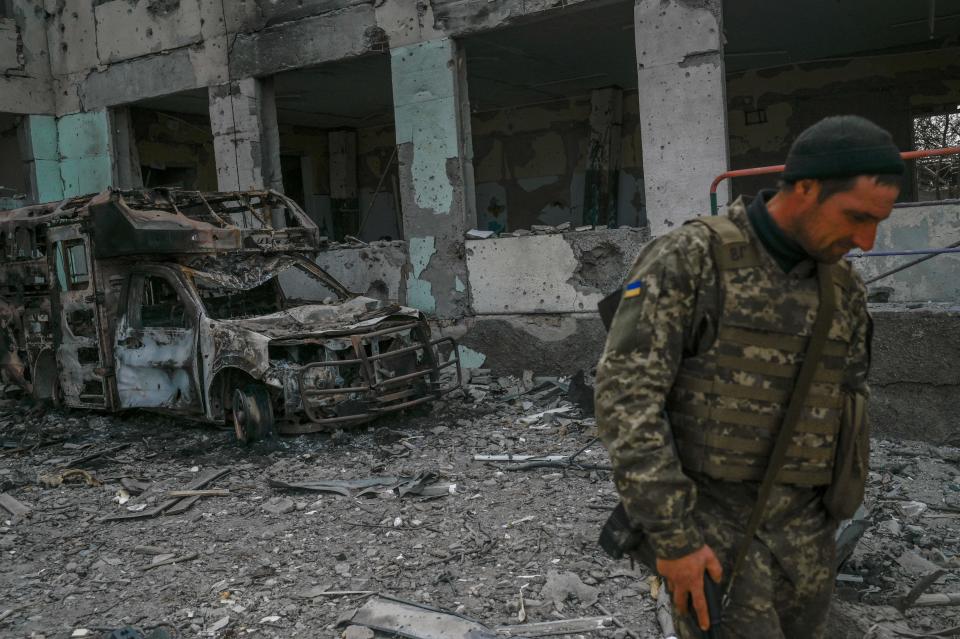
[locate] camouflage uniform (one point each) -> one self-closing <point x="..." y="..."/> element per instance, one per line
<point x="785" y="586"/>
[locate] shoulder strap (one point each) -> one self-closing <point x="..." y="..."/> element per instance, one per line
<point x="732" y="248"/>
<point x="843" y="275"/>
<point x="826" y="278"/>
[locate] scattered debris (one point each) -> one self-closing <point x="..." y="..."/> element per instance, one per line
<point x="419" y="485"/>
<point x="176" y="505"/>
<point x="529" y="420"/>
<point x="134" y="486"/>
<point x="919" y="588"/>
<point x="529" y="462"/>
<point x="580" y="394"/>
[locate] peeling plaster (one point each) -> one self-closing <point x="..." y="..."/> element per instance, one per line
<point x="425" y="109"/>
<point x="422" y="249"/>
<point x="420" y="292"/>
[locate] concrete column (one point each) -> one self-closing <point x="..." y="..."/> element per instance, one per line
<point x="126" y="159"/>
<point x="431" y="111"/>
<point x="246" y="138"/>
<point x="344" y="195"/>
<point x="603" y="157"/>
<point x="683" y="110"/>
<point x="67" y="156"/>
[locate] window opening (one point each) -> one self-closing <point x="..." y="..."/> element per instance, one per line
<point x="937" y="177"/>
<point x="160" y="305"/>
<point x="70" y="262"/>
<point x="78" y="275"/>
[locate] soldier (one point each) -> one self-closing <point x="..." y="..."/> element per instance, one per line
<point x="701" y="361"/>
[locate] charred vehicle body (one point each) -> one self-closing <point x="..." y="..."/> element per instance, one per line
<point x="208" y="306"/>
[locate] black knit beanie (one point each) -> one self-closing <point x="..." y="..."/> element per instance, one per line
<point x="842" y="146"/>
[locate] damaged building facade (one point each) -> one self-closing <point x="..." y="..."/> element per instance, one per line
<point x="502" y="162"/>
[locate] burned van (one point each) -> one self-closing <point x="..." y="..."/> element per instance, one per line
<point x="209" y="306"/>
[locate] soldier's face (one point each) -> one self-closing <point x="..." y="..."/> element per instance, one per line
<point x="847" y="220"/>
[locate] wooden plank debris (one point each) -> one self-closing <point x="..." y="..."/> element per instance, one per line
<point x="80" y="461"/>
<point x="559" y="627"/>
<point x="212" y="492"/>
<point x="172" y="560"/>
<point x="171" y="506"/>
<point x="937" y="599"/>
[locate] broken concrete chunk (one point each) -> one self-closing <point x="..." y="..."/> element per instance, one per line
<point x="358" y="632"/>
<point x="477" y="234"/>
<point x="14" y="507"/>
<point x="562" y="586"/>
<point x="279" y="505"/>
<point x="406" y="619"/>
<point x="911" y="508"/>
<point x="914" y="564"/>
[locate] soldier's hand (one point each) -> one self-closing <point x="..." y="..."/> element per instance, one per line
<point x="685" y="579"/>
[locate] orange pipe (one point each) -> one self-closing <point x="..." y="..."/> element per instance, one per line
<point x="762" y="170"/>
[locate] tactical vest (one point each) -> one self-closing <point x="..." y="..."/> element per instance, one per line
<point x="727" y="403"/>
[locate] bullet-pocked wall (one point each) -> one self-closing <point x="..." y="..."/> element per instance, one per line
<point x="531" y="165"/>
<point x="768" y="108"/>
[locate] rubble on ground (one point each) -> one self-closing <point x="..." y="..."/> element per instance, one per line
<point x="293" y="538"/>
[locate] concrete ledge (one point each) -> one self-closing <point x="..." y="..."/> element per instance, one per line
<point x="915" y="377"/>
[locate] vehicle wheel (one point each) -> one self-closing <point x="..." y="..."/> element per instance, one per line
<point x="252" y="413"/>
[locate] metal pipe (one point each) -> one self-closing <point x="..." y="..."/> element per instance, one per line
<point x="930" y="252"/>
<point x="904" y="267"/>
<point x="763" y="170"/>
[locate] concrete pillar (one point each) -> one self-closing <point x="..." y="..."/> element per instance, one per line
<point x="67" y="156"/>
<point x="603" y="157"/>
<point x="434" y="153"/>
<point x="246" y="138"/>
<point x="683" y="112"/>
<point x="344" y="194"/>
<point x="126" y="159"/>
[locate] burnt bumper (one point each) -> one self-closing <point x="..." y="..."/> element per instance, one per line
<point x="383" y="380"/>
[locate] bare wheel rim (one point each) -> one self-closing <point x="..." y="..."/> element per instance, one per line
<point x="240" y="416"/>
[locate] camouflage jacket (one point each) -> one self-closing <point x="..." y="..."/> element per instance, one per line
<point x="676" y="317"/>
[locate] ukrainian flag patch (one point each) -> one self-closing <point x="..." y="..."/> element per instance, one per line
<point x="633" y="289"/>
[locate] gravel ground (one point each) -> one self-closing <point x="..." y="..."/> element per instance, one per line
<point x="263" y="561"/>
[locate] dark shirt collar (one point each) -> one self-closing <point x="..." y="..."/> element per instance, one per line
<point x="785" y="251"/>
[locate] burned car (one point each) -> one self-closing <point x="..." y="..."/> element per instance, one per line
<point x="208" y="306"/>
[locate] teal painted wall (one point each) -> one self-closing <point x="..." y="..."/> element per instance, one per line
<point x="85" y="159"/>
<point x="70" y="155"/>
